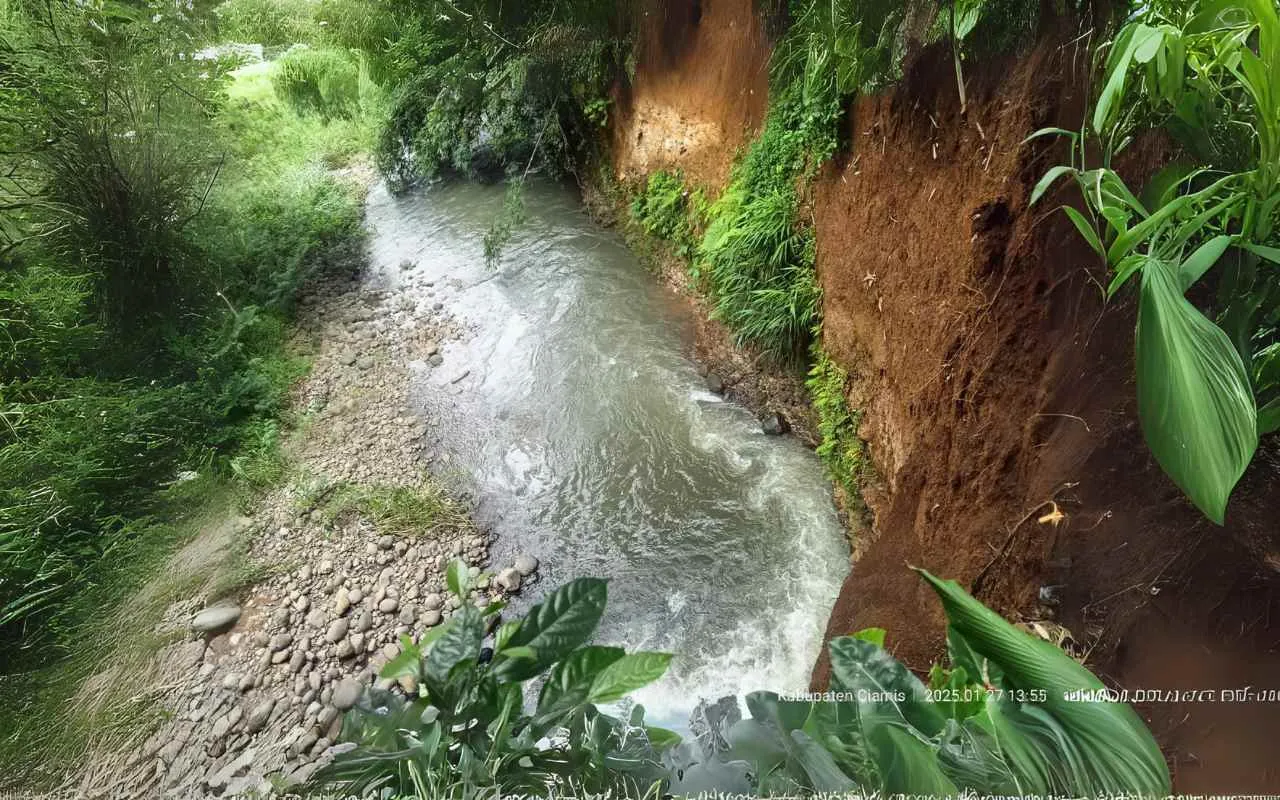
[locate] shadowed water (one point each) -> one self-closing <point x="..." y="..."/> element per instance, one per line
<point x="573" y="414"/>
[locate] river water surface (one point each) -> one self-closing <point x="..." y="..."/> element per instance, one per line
<point x="573" y="414"/>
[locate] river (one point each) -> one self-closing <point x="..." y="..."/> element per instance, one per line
<point x="572" y="413"/>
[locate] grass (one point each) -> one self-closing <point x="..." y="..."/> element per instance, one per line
<point x="54" y="713"/>
<point x="398" y="510"/>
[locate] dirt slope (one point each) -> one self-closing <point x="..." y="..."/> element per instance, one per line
<point x="692" y="52"/>
<point x="995" y="382"/>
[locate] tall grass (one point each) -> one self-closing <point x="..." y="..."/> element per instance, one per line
<point x="318" y="81"/>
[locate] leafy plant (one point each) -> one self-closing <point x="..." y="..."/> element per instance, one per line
<point x="466" y="728"/>
<point x="1012" y="716"/>
<point x="666" y="209"/>
<point x="1207" y="73"/>
<point x="840" y="448"/>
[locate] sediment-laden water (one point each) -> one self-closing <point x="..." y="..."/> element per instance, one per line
<point x="574" y="415"/>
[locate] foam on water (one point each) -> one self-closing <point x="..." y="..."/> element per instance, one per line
<point x="589" y="440"/>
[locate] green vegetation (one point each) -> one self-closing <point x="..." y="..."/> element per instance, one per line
<point x="398" y="510"/>
<point x="999" y="720"/>
<point x="840" y="448"/>
<point x="482" y="89"/>
<point x="160" y="214"/>
<point x="1207" y="73"/>
<point x="669" y="211"/>
<point x="267" y="22"/>
<point x="318" y="81"/>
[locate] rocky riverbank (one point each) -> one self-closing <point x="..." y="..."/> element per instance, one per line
<point x="350" y="551"/>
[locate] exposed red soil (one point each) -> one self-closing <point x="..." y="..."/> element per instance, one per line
<point x="995" y="382"/>
<point x="692" y="51"/>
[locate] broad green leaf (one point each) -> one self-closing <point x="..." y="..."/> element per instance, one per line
<point x="554" y="627"/>
<point x="461" y="642"/>
<point x="1052" y="132"/>
<point x="1127" y="268"/>
<point x="1269" y="417"/>
<point x="1194" y="398"/>
<point x="1047" y="180"/>
<point x="570" y="681"/>
<point x="1202" y="260"/>
<point x="908" y="765"/>
<point x="505" y="631"/>
<point x="1105" y="745"/>
<point x="880" y="681"/>
<point x="824" y="774"/>
<point x="1122" y="49"/>
<point x="1271" y="254"/>
<point x="631" y="672"/>
<point x="661" y="738"/>
<point x="457" y="579"/>
<point x="523" y="651"/>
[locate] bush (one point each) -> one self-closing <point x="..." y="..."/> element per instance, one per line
<point x="1002" y="719"/>
<point x="161" y="228"/>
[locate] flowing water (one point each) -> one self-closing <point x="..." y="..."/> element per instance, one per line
<point x="572" y="413"/>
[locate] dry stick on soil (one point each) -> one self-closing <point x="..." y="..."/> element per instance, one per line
<point x="976" y="585"/>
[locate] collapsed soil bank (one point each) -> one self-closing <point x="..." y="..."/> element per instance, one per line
<point x="996" y="385"/>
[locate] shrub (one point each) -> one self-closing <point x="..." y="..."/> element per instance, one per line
<point x="318" y="81"/>
<point x="669" y="211"/>
<point x="1011" y="715"/>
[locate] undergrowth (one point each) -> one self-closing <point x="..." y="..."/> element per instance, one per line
<point x="840" y="449"/>
<point x="666" y="209"/>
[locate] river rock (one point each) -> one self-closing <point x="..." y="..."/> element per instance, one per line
<point x="346" y="694"/>
<point x="435" y="601"/>
<point x="389" y="605"/>
<point x="407" y="614"/>
<point x="715" y="383"/>
<point x="509" y="579"/>
<point x="258" y="717"/>
<point x="775" y="425"/>
<point x="280" y="641"/>
<point x="336" y="631"/>
<point x="431" y="618"/>
<point x="526" y="564"/>
<point x="216" y="618"/>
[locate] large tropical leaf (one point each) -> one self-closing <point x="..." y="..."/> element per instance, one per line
<point x="1082" y="746"/>
<point x="877" y="679"/>
<point x="1194" y="398"/>
<point x="554" y="627"/>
